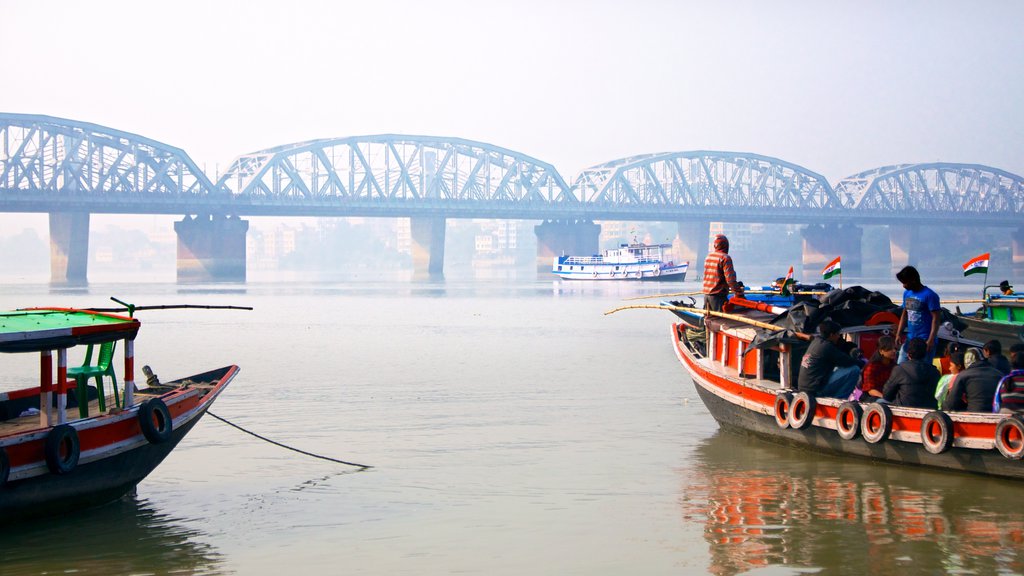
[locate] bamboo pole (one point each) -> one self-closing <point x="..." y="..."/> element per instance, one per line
<point x="809" y="293"/>
<point x="738" y="318"/>
<point x="975" y="301"/>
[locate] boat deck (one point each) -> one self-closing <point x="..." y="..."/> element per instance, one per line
<point x="20" y="424"/>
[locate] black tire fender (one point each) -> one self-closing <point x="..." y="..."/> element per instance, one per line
<point x="62" y="449"/>
<point x="5" y="467"/>
<point x="876" y="423"/>
<point x="1010" y="437"/>
<point x="783" y="400"/>
<point x="155" y="421"/>
<point x="937" y="432"/>
<point x="801" y="411"/>
<point x="848" y="420"/>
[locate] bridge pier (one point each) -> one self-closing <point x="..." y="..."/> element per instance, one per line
<point x="69" y="247"/>
<point x="904" y="244"/>
<point x="211" y="248"/>
<point x="557" y="238"/>
<point x="1017" y="250"/>
<point x="692" y="244"/>
<point x="427" y="247"/>
<point x="823" y="243"/>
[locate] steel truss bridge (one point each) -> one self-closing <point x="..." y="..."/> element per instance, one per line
<point x="51" y="164"/>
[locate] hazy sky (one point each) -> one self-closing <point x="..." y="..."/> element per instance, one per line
<point x="837" y="87"/>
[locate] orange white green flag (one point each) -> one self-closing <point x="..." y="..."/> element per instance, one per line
<point x="832" y="269"/>
<point x="977" y="265"/>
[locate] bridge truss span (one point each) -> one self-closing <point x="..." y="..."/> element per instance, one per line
<point x="47" y="161"/>
<point x="394" y="172"/>
<point x="699" y="183"/>
<point x="936" y="192"/>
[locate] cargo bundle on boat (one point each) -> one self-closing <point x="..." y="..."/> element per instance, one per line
<point x="67" y="444"/>
<point x="744" y="364"/>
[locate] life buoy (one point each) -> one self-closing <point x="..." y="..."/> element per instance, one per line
<point x="1010" y="437"/>
<point x="801" y="411"/>
<point x="595" y="273"/>
<point x="876" y="423"/>
<point x="62" y="449"/>
<point x="937" y="432"/>
<point x="848" y="420"/>
<point x="155" y="421"/>
<point x="783" y="400"/>
<point x="657" y="271"/>
<point x="5" y="467"/>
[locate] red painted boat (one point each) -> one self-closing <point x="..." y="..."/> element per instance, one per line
<point x="65" y="444"/>
<point x="747" y="385"/>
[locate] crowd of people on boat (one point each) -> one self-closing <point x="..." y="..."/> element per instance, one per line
<point x="902" y="371"/>
<point x="978" y="379"/>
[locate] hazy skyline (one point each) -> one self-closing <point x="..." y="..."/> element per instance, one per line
<point x="836" y="87"/>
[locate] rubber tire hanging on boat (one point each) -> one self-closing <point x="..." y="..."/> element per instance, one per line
<point x="62" y="449"/>
<point x="1010" y="437"/>
<point x="848" y="420"/>
<point x="876" y="423"/>
<point x="937" y="432"/>
<point x="783" y="401"/>
<point x="5" y="467"/>
<point x="155" y="421"/>
<point x="801" y="411"/>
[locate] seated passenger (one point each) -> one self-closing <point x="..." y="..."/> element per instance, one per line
<point x="975" y="387"/>
<point x="879" y="368"/>
<point x="825" y="370"/>
<point x="1009" y="396"/>
<point x="956" y="366"/>
<point x="912" y="383"/>
<point x="993" y="351"/>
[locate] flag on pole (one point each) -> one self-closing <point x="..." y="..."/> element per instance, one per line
<point x="784" y="285"/>
<point x="832" y="269"/>
<point x="977" y="265"/>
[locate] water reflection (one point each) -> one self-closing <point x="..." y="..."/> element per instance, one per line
<point x="125" y="537"/>
<point x="764" y="506"/>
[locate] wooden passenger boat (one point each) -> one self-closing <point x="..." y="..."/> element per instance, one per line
<point x="1000" y="317"/>
<point x="745" y="373"/>
<point x="65" y="444"/>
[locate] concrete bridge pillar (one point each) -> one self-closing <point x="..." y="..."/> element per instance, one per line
<point x="904" y="244"/>
<point x="691" y="244"/>
<point x="427" y="247"/>
<point x="556" y="238"/>
<point x="823" y="243"/>
<point x="211" y="248"/>
<point x="1017" y="251"/>
<point x="69" y="247"/>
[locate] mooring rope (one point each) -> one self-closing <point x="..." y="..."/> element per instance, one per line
<point x="265" y="439"/>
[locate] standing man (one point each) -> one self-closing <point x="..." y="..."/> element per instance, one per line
<point x="719" y="276"/>
<point x="921" y="313"/>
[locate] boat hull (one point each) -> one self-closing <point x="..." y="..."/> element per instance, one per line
<point x="674" y="274"/>
<point x="748" y="408"/>
<point x="108" y="468"/>
<point x="1007" y="333"/>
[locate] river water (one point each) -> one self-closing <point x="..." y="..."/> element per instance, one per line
<point x="513" y="428"/>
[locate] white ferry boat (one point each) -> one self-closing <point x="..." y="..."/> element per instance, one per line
<point x="627" y="262"/>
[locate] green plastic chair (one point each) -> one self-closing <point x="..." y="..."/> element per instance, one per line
<point x="104" y="367"/>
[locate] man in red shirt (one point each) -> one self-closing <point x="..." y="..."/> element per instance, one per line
<point x="719" y="276"/>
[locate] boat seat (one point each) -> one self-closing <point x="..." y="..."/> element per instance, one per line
<point x="104" y="367"/>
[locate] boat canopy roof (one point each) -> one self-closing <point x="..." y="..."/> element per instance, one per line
<point x="39" y="329"/>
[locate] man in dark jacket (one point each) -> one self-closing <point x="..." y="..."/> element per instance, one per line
<point x="912" y="383"/>
<point x="818" y="368"/>
<point x="993" y="351"/>
<point x="974" y="387"/>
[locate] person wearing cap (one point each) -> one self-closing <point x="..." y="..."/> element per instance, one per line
<point x="719" y="276"/>
<point x="1006" y="288"/>
<point x="975" y="387"/>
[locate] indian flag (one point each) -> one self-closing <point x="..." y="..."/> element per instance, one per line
<point x="977" y="265"/>
<point x="832" y="269"/>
